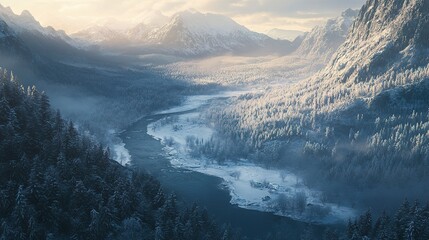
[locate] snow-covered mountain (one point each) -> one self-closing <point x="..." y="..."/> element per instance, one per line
<point x="388" y="36"/>
<point x="38" y="40"/>
<point x="188" y="33"/>
<point x="26" y="23"/>
<point x="324" y="40"/>
<point x="194" y="33"/>
<point x="283" y="34"/>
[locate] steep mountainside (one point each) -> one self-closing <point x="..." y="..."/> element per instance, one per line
<point x="323" y="41"/>
<point x="9" y="42"/>
<point x="13" y="51"/>
<point x="387" y="36"/>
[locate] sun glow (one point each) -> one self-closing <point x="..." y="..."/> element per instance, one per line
<point x="258" y="15"/>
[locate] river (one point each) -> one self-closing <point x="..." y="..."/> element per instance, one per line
<point x="205" y="190"/>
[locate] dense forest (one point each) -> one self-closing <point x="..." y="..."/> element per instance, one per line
<point x="57" y="183"/>
<point x="411" y="221"/>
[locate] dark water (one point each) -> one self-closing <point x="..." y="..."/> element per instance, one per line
<point x="192" y="187"/>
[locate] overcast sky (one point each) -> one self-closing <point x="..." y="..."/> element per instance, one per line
<point x="258" y="15"/>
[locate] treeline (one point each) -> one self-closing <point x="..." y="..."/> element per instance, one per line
<point x="411" y="222"/>
<point x="56" y="183"/>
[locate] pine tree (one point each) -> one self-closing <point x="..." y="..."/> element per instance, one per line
<point x="365" y="224"/>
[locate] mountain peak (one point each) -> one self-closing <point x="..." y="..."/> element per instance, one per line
<point x="27" y="14"/>
<point x="350" y="13"/>
<point x="206" y="23"/>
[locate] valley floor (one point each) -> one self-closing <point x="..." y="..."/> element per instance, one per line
<point x="251" y="186"/>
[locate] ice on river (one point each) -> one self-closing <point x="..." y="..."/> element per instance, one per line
<point x="250" y="186"/>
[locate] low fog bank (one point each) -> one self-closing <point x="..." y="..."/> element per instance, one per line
<point x="102" y="97"/>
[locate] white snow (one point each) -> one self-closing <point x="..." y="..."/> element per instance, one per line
<point x="250" y="186"/>
<point x="119" y="151"/>
<point x="121" y="154"/>
<point x="207" y="24"/>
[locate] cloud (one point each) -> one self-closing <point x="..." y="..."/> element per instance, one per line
<point x="73" y="15"/>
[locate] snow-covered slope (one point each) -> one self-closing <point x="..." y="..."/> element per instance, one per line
<point x="9" y="42"/>
<point x="282" y="34"/>
<point x="140" y="32"/>
<point x="99" y="35"/>
<point x="324" y="40"/>
<point x="150" y="22"/>
<point x="388" y="36"/>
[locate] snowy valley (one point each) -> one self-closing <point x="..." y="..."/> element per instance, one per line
<point x="189" y="124"/>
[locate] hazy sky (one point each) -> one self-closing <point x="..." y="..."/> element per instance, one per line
<point x="258" y="15"/>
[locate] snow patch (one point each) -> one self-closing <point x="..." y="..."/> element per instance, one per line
<point x="121" y="154"/>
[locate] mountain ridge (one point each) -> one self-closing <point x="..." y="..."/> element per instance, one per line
<point x="192" y="33"/>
